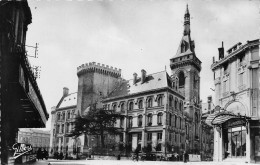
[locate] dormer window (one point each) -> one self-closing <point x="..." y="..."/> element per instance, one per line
<point x="184" y="47"/>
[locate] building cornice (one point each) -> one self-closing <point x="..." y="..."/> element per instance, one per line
<point x="233" y="54"/>
<point x="165" y="89"/>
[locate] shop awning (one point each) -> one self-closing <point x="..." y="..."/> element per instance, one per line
<point x="218" y="118"/>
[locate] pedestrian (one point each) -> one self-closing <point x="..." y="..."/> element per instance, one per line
<point x="45" y="154"/>
<point x="61" y="155"/>
<point x="39" y="154"/>
<point x="184" y="157"/>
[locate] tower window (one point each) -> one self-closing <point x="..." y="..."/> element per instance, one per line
<point x="181" y="80"/>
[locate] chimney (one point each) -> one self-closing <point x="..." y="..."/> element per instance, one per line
<point x="213" y="60"/>
<point x="65" y="91"/>
<point x="135" y="78"/>
<point x="143" y="75"/>
<point x="221" y="52"/>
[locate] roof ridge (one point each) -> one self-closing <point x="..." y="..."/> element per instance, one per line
<point x="151" y="74"/>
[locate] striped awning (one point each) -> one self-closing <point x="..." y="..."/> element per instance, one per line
<point x="218" y="118"/>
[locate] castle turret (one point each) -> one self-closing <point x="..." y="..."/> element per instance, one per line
<point x="95" y="81"/>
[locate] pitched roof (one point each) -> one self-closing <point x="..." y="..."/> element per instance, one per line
<point x="69" y="100"/>
<point x="152" y="81"/>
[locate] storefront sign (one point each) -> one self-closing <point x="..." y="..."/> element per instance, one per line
<point x="20" y="149"/>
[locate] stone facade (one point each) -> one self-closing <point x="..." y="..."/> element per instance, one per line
<point x="186" y="68"/>
<point x="152" y="117"/>
<point x="95" y="81"/>
<point x="37" y="138"/>
<point x="236" y="78"/>
<point x="63" y="116"/>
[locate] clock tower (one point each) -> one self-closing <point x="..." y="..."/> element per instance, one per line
<point x="186" y="67"/>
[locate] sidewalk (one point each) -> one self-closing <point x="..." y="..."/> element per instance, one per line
<point x="129" y="162"/>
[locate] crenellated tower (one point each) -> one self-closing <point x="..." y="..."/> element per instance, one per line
<point x="95" y="81"/>
<point x="186" y="67"/>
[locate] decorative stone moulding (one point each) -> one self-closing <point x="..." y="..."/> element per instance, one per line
<point x="101" y="68"/>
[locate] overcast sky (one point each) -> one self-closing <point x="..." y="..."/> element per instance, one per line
<point x="131" y="35"/>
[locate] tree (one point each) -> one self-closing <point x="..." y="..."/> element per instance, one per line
<point x="96" y="122"/>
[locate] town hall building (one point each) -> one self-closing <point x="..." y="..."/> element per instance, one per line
<point x="162" y="110"/>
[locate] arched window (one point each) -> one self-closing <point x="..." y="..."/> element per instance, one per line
<point x="58" y="116"/>
<point x="175" y="103"/>
<point x="159" y="101"/>
<point x="159" y="118"/>
<point x="180" y="105"/>
<point x="63" y="116"/>
<point x="122" y="107"/>
<point x="170" y="119"/>
<point x="140" y="104"/>
<point x="67" y="127"/>
<point x="62" y="128"/>
<point x="181" y="79"/>
<point x="114" y="107"/>
<point x="108" y="106"/>
<point x="130" y="122"/>
<point x="187" y="130"/>
<point x="68" y="114"/>
<point x="171" y="101"/>
<point x="150" y="119"/>
<point x="149" y="102"/>
<point x="196" y="124"/>
<point x="140" y="120"/>
<point x="180" y="123"/>
<point x="58" y="128"/>
<point x="175" y="121"/>
<point x="131" y="106"/>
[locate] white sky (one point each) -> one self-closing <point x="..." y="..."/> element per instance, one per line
<point x="131" y="35"/>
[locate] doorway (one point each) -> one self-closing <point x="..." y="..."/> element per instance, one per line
<point x="236" y="142"/>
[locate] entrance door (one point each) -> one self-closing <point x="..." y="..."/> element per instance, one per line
<point x="237" y="142"/>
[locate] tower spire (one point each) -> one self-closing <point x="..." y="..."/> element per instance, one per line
<point x="186" y="22"/>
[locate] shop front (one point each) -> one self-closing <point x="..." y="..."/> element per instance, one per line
<point x="236" y="137"/>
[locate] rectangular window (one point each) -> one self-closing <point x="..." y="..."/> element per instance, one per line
<point x="121" y="122"/>
<point x="149" y="136"/>
<point x="130" y="138"/>
<point x="159" y="136"/>
<point x="121" y="137"/>
<point x="139" y="136"/>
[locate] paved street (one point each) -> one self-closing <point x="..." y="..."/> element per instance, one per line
<point x="128" y="162"/>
